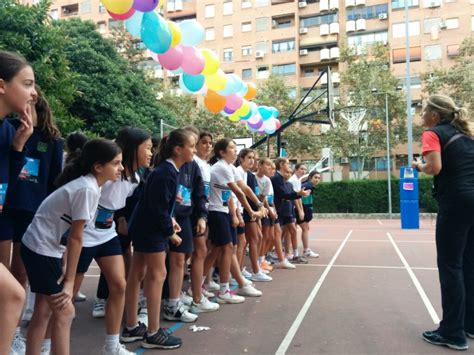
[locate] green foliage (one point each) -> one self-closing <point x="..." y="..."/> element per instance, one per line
<point x="367" y="196"/>
<point x="456" y="81"/>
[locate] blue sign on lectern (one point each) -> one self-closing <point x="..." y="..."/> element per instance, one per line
<point x="409" y="198"/>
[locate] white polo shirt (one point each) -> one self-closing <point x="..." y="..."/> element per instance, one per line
<point x="220" y="193"/>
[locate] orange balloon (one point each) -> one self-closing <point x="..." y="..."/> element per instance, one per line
<point x="252" y="91"/>
<point x="214" y="102"/>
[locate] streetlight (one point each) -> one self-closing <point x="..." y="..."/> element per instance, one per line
<point x="389" y="169"/>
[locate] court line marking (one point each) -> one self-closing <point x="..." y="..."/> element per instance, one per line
<point x="299" y="318"/>
<point x="379" y="222"/>
<point x="371" y="267"/>
<point x="375" y="240"/>
<point x="421" y="291"/>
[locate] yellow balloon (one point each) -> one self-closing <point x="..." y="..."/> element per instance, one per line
<point x="244" y="109"/>
<point x="234" y="117"/>
<point x="118" y="6"/>
<point x="211" y="60"/>
<point x="216" y="81"/>
<point x="176" y="34"/>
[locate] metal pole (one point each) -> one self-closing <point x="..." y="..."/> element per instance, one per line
<point x="389" y="169"/>
<point x="161" y="128"/>
<point x="408" y="88"/>
<point x="278" y="144"/>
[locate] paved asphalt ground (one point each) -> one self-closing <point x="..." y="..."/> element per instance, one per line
<point x="373" y="290"/>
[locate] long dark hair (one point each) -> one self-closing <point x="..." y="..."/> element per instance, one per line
<point x="96" y="151"/>
<point x="74" y="143"/>
<point x="176" y="138"/>
<point x="242" y="154"/>
<point x="11" y="64"/>
<point x="129" y="139"/>
<point x="45" y="117"/>
<point x="221" y="145"/>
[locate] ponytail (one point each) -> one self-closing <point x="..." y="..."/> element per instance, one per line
<point x="448" y="112"/>
<point x="176" y="138"/>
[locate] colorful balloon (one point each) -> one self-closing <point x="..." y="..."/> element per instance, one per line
<point x="176" y="34"/>
<point x="265" y="111"/>
<point x="211" y="60"/>
<point x="275" y="112"/>
<point x="193" y="61"/>
<point x="134" y="24"/>
<point x="193" y="83"/>
<point x="155" y="33"/>
<point x="233" y="101"/>
<point x="216" y="81"/>
<point x="234" y="117"/>
<point x="122" y="17"/>
<point x="228" y="110"/>
<point x="145" y="5"/>
<point x="172" y="58"/>
<point x="118" y="6"/>
<point x="193" y="32"/>
<point x="214" y="102"/>
<point x="252" y="91"/>
<point x="256" y="125"/>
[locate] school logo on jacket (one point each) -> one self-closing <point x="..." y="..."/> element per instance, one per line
<point x="42" y="147"/>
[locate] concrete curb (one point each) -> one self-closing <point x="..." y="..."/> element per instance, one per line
<point x="367" y="216"/>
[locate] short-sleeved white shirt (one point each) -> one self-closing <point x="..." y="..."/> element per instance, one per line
<point x="266" y="188"/>
<point x="205" y="172"/>
<point x="296" y="183"/>
<point x="220" y="193"/>
<point x="112" y="198"/>
<point x="77" y="200"/>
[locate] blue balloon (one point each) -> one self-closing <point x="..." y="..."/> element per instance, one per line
<point x="243" y="90"/>
<point x="275" y="112"/>
<point x="192" y="33"/>
<point x="247" y="116"/>
<point x="229" y="87"/>
<point x="134" y="24"/>
<point x="155" y="33"/>
<point x="193" y="83"/>
<point x="265" y="112"/>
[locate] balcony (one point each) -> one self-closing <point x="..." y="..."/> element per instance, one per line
<point x="334" y="5"/>
<point x="70" y="10"/>
<point x="311" y="57"/>
<point x="334" y="28"/>
<point x="324" y="5"/>
<point x="350" y="3"/>
<point x="350" y="26"/>
<point x="360" y="2"/>
<point x="361" y="24"/>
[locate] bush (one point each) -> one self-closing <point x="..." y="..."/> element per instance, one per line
<point x="367" y="196"/>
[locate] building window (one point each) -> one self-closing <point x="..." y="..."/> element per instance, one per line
<point x="399" y="55"/>
<point x="365" y="39"/>
<point x="246" y="50"/>
<point x="228" y="54"/>
<point x="228" y="7"/>
<point x="430" y="23"/>
<point x="209" y="11"/>
<point x="398" y="29"/>
<point x="54" y="14"/>
<point x="400" y="4"/>
<point x="314" y="21"/>
<point x="415" y="83"/>
<point x="246" y="4"/>
<point x="85" y="7"/>
<point x="286" y="45"/>
<point x="261" y="47"/>
<point x="263" y="72"/>
<point x="246" y="26"/>
<point x="102" y="26"/>
<point x="260" y="3"/>
<point x="453" y="50"/>
<point x="452" y="23"/>
<point x="433" y="52"/>
<point x="261" y="24"/>
<point x="282" y="23"/>
<point x="367" y="12"/>
<point x="308" y="72"/>
<point x="102" y="9"/>
<point x="115" y="24"/>
<point x="247" y="73"/>
<point x="284" y="69"/>
<point x="210" y="34"/>
<point x="228" y="31"/>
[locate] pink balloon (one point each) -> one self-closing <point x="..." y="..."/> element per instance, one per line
<point x="233" y="101"/>
<point x="193" y="61"/>
<point x="172" y="58"/>
<point x="124" y="16"/>
<point x="277" y="122"/>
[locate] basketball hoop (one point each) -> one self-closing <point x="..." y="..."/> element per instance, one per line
<point x="354" y="115"/>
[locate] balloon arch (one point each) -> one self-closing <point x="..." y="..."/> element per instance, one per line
<point x="174" y="46"/>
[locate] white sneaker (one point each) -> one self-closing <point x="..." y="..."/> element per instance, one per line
<point x="179" y="314"/>
<point x="45" y="351"/>
<point x="204" y="306"/>
<point x="245" y="273"/>
<point x="27" y="314"/>
<point x="185" y="299"/>
<point x="230" y="298"/>
<point x="143" y="315"/>
<point x="18" y="345"/>
<point x="119" y="350"/>
<point x="260" y="277"/>
<point x="249" y="291"/>
<point x="233" y="282"/>
<point x="247" y="282"/>
<point x="212" y="286"/>
<point x="98" y="309"/>
<point x="310" y="254"/>
<point x="204" y="292"/>
<point x="80" y="297"/>
<point x="263" y="271"/>
<point x="285" y="264"/>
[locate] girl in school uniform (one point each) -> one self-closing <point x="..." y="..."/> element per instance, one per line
<point x="221" y="233"/>
<point x="60" y="221"/>
<point x="152" y="228"/>
<point x="17" y="91"/>
<point x="101" y="242"/>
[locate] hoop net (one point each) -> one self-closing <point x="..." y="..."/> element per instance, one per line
<point x="353" y="116"/>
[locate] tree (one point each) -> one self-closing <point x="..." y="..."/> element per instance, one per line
<point x="456" y="81"/>
<point x="363" y="73"/>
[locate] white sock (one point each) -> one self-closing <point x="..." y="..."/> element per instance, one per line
<point x="173" y="302"/>
<point x="111" y="342"/>
<point x="224" y="287"/>
<point x="132" y="328"/>
<point x="46" y="346"/>
<point x="296" y="252"/>
<point x="18" y="331"/>
<point x="261" y="259"/>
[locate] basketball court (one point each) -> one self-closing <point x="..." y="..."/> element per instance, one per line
<point x="373" y="290"/>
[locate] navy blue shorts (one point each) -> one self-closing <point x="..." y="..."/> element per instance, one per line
<point x="247" y="218"/>
<point x="110" y="248"/>
<point x="186" y="235"/>
<point x="220" y="228"/>
<point x="240" y="230"/>
<point x="6" y="228"/>
<point x="233" y="232"/>
<point x="308" y="213"/>
<point x="286" y="220"/>
<point x="125" y="242"/>
<point x="149" y="245"/>
<point x="267" y="221"/>
<point x="43" y="271"/>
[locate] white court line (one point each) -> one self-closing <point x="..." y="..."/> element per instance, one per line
<point x="299" y="318"/>
<point x="375" y="240"/>
<point x="424" y="297"/>
<point x="379" y="222"/>
<point x="371" y="267"/>
<point x="91" y="275"/>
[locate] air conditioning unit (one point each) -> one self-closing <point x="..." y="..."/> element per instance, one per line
<point x="443" y="25"/>
<point x="303" y="30"/>
<point x="178" y="6"/>
<point x="302" y="4"/>
<point x="303" y="52"/>
<point x="344" y="160"/>
<point x="383" y="16"/>
<point x="434" y="4"/>
<point x="259" y="54"/>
